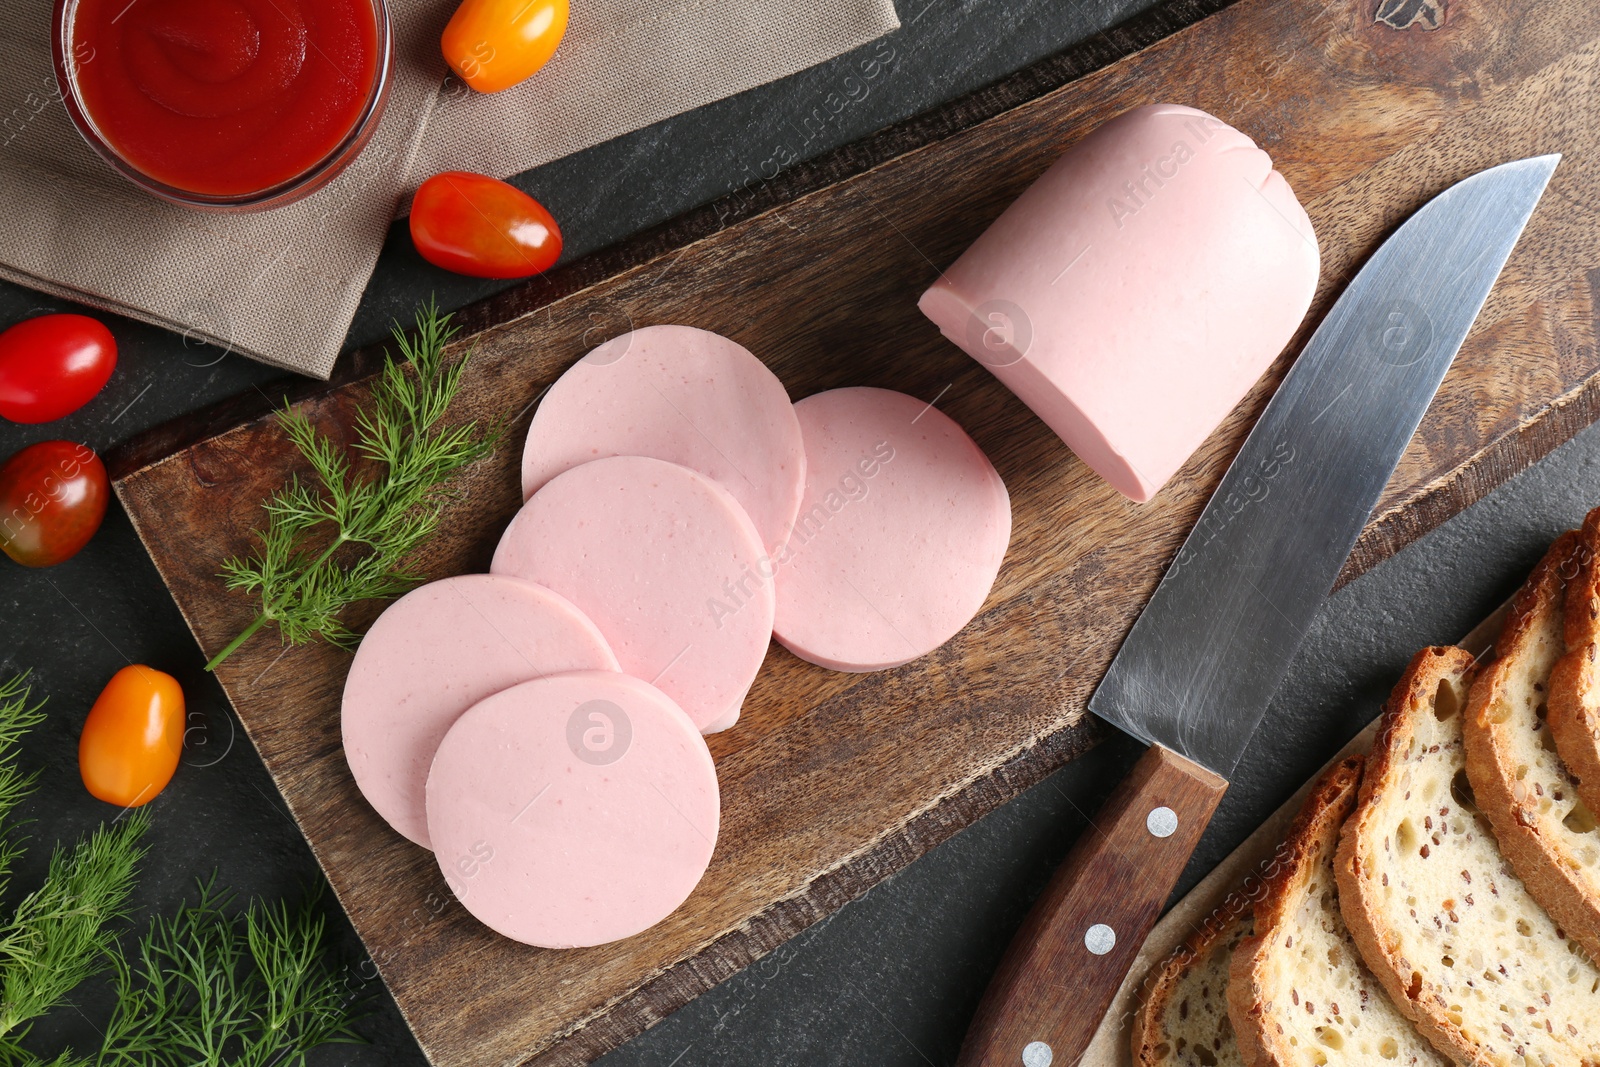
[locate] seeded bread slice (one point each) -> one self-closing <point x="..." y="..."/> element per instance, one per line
<point x="1439" y="916"/>
<point x="1182" y="1019"/>
<point x="1521" y="784"/>
<point x="1575" y="679"/>
<point x="1298" y="993"/>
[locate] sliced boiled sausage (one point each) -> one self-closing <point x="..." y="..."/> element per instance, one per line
<point x="683" y="395"/>
<point x="433" y="654"/>
<point x="573" y="810"/>
<point x="668" y="566"/>
<point x="900" y="535"/>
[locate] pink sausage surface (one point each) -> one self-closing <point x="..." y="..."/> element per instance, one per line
<point x="668" y="566"/>
<point x="573" y="810"/>
<point x="683" y="395"/>
<point x="433" y="654"/>
<point x="1137" y="290"/>
<point x="901" y="533"/>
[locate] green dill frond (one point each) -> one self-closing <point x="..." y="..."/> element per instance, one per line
<point x="210" y="988"/>
<point x="203" y="987"/>
<point x="345" y="534"/>
<point x="308" y="1003"/>
<point x="19" y="713"/>
<point x="14" y="1055"/>
<point x="62" y="932"/>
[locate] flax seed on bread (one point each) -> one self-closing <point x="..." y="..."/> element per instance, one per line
<point x="1520" y="781"/>
<point x="1575" y="679"/>
<point x="1182" y="1019"/>
<point x="1298" y="993"/>
<point x="1439" y="916"/>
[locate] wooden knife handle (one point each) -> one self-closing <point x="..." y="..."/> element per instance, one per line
<point x="1073" y="951"/>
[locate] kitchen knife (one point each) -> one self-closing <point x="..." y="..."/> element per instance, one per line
<point x="1195" y="673"/>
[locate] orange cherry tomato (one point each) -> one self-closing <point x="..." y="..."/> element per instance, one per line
<point x="477" y="225"/>
<point x="494" y="44"/>
<point x="133" y="737"/>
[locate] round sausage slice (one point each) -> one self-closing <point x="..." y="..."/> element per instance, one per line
<point x="573" y="810"/>
<point x="433" y="654"/>
<point x="686" y="396"/>
<point x="668" y="566"/>
<point x="899" y="538"/>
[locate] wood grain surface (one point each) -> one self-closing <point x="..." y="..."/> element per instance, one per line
<point x="831" y="782"/>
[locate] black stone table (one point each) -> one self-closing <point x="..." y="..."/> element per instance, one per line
<point x="892" y="978"/>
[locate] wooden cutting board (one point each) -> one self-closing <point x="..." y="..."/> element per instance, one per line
<point x="831" y="781"/>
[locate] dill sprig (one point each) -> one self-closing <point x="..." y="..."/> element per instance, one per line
<point x="205" y="987"/>
<point x="348" y="537"/>
<point x="18" y="715"/>
<point x="208" y="988"/>
<point x="63" y="932"/>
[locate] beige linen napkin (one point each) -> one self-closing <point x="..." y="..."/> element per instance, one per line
<point x="282" y="286"/>
<point x="279" y="286"/>
<point x="625" y="64"/>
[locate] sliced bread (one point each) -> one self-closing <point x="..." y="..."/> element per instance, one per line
<point x="1298" y="993"/>
<point x="1439" y="916"/>
<point x="1182" y="1019"/>
<point x="1520" y="782"/>
<point x="1575" y="679"/>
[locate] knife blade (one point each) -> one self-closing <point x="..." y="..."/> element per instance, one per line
<point x="1194" y="675"/>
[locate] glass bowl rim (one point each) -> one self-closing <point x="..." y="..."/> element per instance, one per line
<point x="301" y="185"/>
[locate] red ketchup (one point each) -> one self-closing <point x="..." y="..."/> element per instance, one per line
<point x="225" y="97"/>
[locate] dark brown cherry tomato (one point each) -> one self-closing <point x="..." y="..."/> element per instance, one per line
<point x="52" y="365"/>
<point x="473" y="224"/>
<point x="52" y="498"/>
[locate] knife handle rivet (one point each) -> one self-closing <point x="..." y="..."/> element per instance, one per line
<point x="1161" y="822"/>
<point x="1038" y="1054"/>
<point x="1099" y="939"/>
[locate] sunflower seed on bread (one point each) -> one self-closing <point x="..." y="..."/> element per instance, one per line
<point x="1575" y="679"/>
<point x="1298" y="993"/>
<point x="1439" y="916"/>
<point x="1182" y="1019"/>
<point x="1521" y="784"/>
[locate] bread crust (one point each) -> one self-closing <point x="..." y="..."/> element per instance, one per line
<point x="1314" y="833"/>
<point x="1358" y="903"/>
<point x="1575" y="680"/>
<point x="1541" y="853"/>
<point x="1148" y="1035"/>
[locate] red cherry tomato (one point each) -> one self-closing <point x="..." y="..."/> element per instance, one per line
<point x="52" y="498"/>
<point x="52" y="365"/>
<point x="481" y="226"/>
<point x="133" y="737"/>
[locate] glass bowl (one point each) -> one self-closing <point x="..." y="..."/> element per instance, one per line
<point x="284" y="192"/>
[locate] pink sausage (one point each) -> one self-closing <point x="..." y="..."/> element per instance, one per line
<point x="573" y="810"/>
<point x="433" y="654"/>
<point x="668" y="566"/>
<point x="1137" y="290"/>
<point x="683" y="395"/>
<point x="900" y="536"/>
